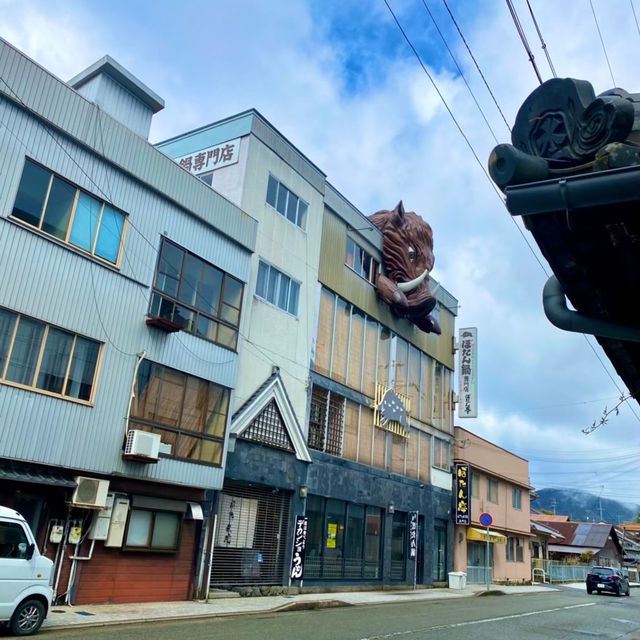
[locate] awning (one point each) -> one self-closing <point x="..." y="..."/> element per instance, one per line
<point x="564" y="548"/>
<point x="17" y="473"/>
<point x="479" y="534"/>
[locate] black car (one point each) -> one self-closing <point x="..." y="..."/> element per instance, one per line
<point x="607" y="579"/>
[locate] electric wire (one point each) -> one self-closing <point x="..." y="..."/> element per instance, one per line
<point x="523" y="38"/>
<point x="604" y="49"/>
<point x="475" y="155"/>
<point x="542" y="42"/>
<point x="635" y="17"/>
<point x="444" y="41"/>
<point x="475" y="62"/>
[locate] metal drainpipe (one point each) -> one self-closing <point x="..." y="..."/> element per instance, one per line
<point x="557" y="312"/>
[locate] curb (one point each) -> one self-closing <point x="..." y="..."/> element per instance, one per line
<point x="304" y="605"/>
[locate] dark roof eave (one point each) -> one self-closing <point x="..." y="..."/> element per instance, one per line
<point x="602" y="188"/>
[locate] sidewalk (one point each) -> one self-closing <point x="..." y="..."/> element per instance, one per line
<point x="108" y="614"/>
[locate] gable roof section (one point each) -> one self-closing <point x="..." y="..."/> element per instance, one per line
<point x="272" y="390"/>
<point x="584" y="534"/>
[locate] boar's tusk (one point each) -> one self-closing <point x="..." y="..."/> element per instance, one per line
<point x="412" y="284"/>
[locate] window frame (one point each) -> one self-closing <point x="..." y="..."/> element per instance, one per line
<point x="516" y="498"/>
<point x="38" y="362"/>
<point x="370" y="274"/>
<point x="301" y="224"/>
<point x="155" y="426"/>
<point x="515" y="549"/>
<point x="280" y="275"/>
<point x="196" y="312"/>
<point x="72" y="213"/>
<point x="148" y="548"/>
<point x="475" y="484"/>
<point x="445" y="446"/>
<point x="492" y="482"/>
<point x="334" y="403"/>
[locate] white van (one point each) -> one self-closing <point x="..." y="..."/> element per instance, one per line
<point x="26" y="577"/>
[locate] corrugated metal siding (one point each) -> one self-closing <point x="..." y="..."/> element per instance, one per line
<point x="50" y="281"/>
<point x="120" y="104"/>
<point x="66" y="109"/>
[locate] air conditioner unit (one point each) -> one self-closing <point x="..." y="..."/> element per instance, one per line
<point x="91" y="493"/>
<point x="142" y="446"/>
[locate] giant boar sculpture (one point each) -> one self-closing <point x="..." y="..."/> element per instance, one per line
<point x="407" y="249"/>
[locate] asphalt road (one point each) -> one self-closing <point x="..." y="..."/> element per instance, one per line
<point x="558" y="615"/>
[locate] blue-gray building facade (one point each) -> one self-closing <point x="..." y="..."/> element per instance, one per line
<point x="121" y="294"/>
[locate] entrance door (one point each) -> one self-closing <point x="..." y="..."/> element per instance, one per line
<point x="477" y="567"/>
<point x="440" y="552"/>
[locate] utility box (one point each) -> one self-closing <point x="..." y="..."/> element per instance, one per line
<point x="457" y="580"/>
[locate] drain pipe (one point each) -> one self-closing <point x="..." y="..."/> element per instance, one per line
<point x="557" y="312"/>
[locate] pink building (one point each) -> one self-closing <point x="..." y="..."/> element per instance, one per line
<point x="498" y="484"/>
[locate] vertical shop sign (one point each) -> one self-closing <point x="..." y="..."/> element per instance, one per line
<point x="467" y="376"/>
<point x="462" y="494"/>
<point x="413" y="534"/>
<point x="299" y="548"/>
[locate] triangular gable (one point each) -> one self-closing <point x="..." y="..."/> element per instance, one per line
<point x="268" y="428"/>
<point x="272" y="391"/>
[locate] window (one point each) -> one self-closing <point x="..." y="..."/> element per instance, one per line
<point x="326" y="421"/>
<point x="287" y="203"/>
<point x="196" y="297"/>
<point x="441" y="454"/>
<point x="59" y="209"/>
<point x="13" y="541"/>
<point x="475" y="485"/>
<point x="516" y="498"/>
<point x="358" y="260"/>
<point x="42" y="357"/>
<point x="515" y="551"/>
<point x="153" y="530"/>
<point x="492" y="490"/>
<point x="277" y="288"/>
<point x="189" y="413"/>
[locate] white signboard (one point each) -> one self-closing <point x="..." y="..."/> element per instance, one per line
<point x="467" y="373"/>
<point x="221" y="155"/>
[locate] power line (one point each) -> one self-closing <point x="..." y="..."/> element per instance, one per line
<point x="542" y="42"/>
<point x="602" y="41"/>
<point x="475" y="62"/>
<point x="635" y="17"/>
<point x="444" y="41"/>
<point x="523" y="38"/>
<point x="475" y="155"/>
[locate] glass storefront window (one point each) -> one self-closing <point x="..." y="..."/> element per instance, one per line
<point x="398" y="546"/>
<point x="343" y="540"/>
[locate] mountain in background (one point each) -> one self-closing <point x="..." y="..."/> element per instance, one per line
<point x="581" y="506"/>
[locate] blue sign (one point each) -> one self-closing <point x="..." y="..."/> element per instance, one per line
<point x="485" y="519"/>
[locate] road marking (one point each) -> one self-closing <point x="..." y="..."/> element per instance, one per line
<point x="624" y="621"/>
<point x="454" y="625"/>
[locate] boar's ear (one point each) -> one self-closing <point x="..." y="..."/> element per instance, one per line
<point x="398" y="214"/>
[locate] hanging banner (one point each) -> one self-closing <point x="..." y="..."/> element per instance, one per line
<point x="462" y="494"/>
<point x="467" y="373"/>
<point x="413" y="534"/>
<point x="299" y="548"/>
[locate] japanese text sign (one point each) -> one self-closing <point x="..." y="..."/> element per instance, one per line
<point x="299" y="548"/>
<point x="211" y="158"/>
<point x="463" y="478"/>
<point x="413" y="533"/>
<point x="467" y="373"/>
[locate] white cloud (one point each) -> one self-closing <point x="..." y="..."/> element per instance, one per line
<point x="385" y="139"/>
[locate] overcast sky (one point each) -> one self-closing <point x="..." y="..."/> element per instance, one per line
<point x="338" y="79"/>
